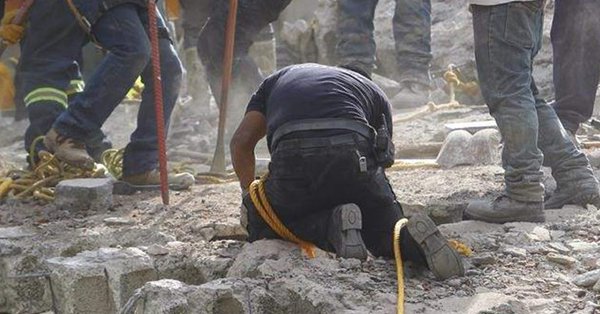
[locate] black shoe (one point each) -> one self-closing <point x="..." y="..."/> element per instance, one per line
<point x="578" y="195"/>
<point x="343" y="233"/>
<point x="504" y="209"/>
<point x="441" y="259"/>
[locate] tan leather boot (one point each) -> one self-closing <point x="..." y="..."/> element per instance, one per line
<point x="180" y="181"/>
<point x="68" y="150"/>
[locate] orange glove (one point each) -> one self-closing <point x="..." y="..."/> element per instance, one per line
<point x="10" y="33"/>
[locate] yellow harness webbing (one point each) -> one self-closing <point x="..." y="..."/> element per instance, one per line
<point x="261" y="202"/>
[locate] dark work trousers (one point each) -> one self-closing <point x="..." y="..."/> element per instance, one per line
<point x="576" y="45"/>
<point x="48" y="75"/>
<point x="194" y="15"/>
<point x="309" y="177"/>
<point x="412" y="35"/>
<point x="252" y="18"/>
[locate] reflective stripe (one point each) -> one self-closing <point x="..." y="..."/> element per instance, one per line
<point x="47" y="94"/>
<point x="75" y="86"/>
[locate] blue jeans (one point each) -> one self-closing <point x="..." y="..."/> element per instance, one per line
<point x="507" y="38"/>
<point x="575" y="43"/>
<point x="412" y="34"/>
<point x="122" y="31"/>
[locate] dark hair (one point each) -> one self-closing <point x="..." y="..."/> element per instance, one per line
<point x="356" y="69"/>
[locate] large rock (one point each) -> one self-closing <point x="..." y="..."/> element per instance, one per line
<point x="99" y="281"/>
<point x="462" y="148"/>
<point x="24" y="287"/>
<point x="81" y="195"/>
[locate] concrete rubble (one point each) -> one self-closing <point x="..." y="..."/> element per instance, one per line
<point x="138" y="256"/>
<point x="81" y="195"/>
<point x="461" y="148"/>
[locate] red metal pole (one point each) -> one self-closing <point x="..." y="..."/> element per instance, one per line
<point x="158" y="103"/>
<point x="218" y="164"/>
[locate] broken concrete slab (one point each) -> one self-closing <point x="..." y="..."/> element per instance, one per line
<point x="587" y="279"/>
<point x="99" y="281"/>
<point x="24" y="287"/>
<point x="82" y="195"/>
<point x="471" y="127"/>
<point x="462" y="148"/>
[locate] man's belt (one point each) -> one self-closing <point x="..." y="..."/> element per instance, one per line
<point x="361" y="128"/>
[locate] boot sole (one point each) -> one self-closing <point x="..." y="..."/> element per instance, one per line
<point x="344" y="232"/>
<point x="442" y="259"/>
<point x="591" y="198"/>
<point x="526" y="218"/>
<point x="125" y="188"/>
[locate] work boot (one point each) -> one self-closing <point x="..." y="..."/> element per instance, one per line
<point x="71" y="151"/>
<point x="504" y="209"/>
<point x="411" y="95"/>
<point x="580" y="194"/>
<point x="180" y="181"/>
<point x="343" y="232"/>
<point x="441" y="259"/>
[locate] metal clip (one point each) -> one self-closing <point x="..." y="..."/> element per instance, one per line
<point x="362" y="162"/>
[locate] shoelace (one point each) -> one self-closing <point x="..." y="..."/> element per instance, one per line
<point x="61" y="139"/>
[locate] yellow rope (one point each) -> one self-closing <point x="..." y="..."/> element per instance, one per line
<point x="261" y="202"/>
<point x="38" y="183"/>
<point x="112" y="159"/>
<point x="399" y="267"/>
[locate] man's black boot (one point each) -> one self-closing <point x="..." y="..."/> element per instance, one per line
<point x="343" y="232"/>
<point x="581" y="194"/>
<point x="441" y="259"/>
<point x="504" y="209"/>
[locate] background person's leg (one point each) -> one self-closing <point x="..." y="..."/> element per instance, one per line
<point x="141" y="154"/>
<point x="356" y="44"/>
<point x="122" y="33"/>
<point x="575" y="43"/>
<point x="505" y="39"/>
<point x="412" y="35"/>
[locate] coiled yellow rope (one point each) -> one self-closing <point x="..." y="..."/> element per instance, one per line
<point x="112" y="159"/>
<point x="38" y="183"/>
<point x="261" y="202"/>
<point x="399" y="266"/>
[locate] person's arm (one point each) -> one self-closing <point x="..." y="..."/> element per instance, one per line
<point x="252" y="128"/>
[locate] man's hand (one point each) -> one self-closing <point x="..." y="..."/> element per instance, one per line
<point x="11" y="33"/>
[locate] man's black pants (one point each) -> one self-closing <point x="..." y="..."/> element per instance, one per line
<point x="309" y="177"/>
<point x="576" y="42"/>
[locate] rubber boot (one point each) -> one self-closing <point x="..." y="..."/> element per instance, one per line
<point x="344" y="234"/>
<point x="441" y="259"/>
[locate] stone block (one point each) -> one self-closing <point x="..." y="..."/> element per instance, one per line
<point x="462" y="148"/>
<point x="81" y="195"/>
<point x="99" y="281"/>
<point x="24" y="287"/>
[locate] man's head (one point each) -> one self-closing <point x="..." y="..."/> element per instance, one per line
<point x="356" y="69"/>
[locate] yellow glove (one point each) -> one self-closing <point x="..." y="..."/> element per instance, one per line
<point x="11" y="33"/>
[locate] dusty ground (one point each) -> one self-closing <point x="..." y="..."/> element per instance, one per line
<point x="516" y="268"/>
